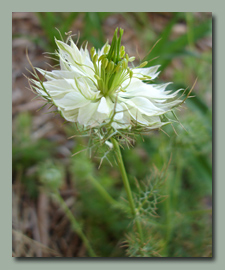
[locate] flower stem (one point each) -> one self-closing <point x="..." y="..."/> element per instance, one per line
<point x="127" y="187"/>
<point x="75" y="225"/>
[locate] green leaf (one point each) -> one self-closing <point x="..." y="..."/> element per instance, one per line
<point x="171" y="47"/>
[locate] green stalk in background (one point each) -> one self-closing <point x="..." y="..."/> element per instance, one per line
<point x="75" y="225"/>
<point x="106" y="195"/>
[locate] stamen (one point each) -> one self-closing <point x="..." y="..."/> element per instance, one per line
<point x="111" y="68"/>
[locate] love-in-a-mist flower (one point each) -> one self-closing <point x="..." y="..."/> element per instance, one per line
<point x="103" y="88"/>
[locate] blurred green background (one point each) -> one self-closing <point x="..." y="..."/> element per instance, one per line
<point x="182" y="223"/>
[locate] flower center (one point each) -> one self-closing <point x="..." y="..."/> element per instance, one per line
<point x="111" y="68"/>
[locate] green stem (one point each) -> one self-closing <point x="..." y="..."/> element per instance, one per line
<point x="105" y="194"/>
<point x="75" y="225"/>
<point x="127" y="187"/>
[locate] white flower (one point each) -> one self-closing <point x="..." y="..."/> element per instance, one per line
<point x="99" y="88"/>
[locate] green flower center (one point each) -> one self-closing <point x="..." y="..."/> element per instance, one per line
<point x="111" y="68"/>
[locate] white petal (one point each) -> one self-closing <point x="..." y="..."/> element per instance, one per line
<point x="149" y="121"/>
<point x="143" y="105"/>
<point x="101" y="51"/>
<point x="122" y="123"/>
<point x="86" y="88"/>
<point x="137" y="88"/>
<point x="57" y="74"/>
<point x="103" y="106"/>
<point x="39" y="91"/>
<point x="110" y="104"/>
<point x="136" y="115"/>
<point x="85" y="116"/>
<point x="162" y="87"/>
<point x="63" y="65"/>
<point x="53" y="89"/>
<point x="86" y="57"/>
<point x="70" y="115"/>
<point x="149" y="71"/>
<point x="71" y="101"/>
<point x="119" y="112"/>
<point x="71" y="53"/>
<point x="76" y="52"/>
<point x="61" y="83"/>
<point x="117" y="107"/>
<point x="72" y="59"/>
